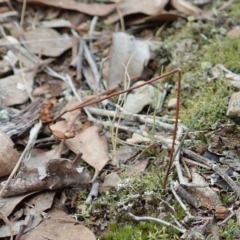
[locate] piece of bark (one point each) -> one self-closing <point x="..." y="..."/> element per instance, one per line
<point x="23" y="120"/>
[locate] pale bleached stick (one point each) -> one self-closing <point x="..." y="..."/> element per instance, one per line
<point x="182" y="230"/>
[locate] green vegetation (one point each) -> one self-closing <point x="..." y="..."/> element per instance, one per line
<point x="195" y="47"/>
<point x="141" y="231"/>
<point x="211" y="96"/>
<point x="225" y="52"/>
<point x="140" y="196"/>
<point x="234" y="9"/>
<point x="231" y="230"/>
<point x="196" y="60"/>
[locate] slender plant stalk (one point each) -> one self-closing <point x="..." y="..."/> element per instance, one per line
<point x="175" y="129"/>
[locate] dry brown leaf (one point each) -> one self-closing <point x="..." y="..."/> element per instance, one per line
<point x="206" y="195"/>
<point x="93" y="145"/>
<point x="138" y="167"/>
<point x="36" y="219"/>
<point x="111" y="180"/>
<point x="13" y="91"/>
<point x="41" y="202"/>
<point x="128" y="7"/>
<point x="39" y="158"/>
<point x="56" y="174"/>
<point x="90" y="9"/>
<point x="124" y="153"/>
<point x="71" y="116"/>
<point x="8" y="155"/>
<point x="47" y="48"/>
<point x="186" y="8"/>
<point x="7" y="205"/>
<point x="126" y="52"/>
<point x="59" y="226"/>
<point x="42" y="169"/>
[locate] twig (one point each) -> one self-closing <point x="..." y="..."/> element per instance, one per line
<point x="165" y="141"/>
<point x="132" y="117"/>
<point x="214" y="167"/>
<point x="164" y="94"/>
<point x="38" y="41"/>
<point x="101" y="96"/>
<point x="182" y="141"/>
<point x="91" y="29"/>
<point x="186" y="169"/>
<point x="92" y="64"/>
<point x="20" y="52"/>
<point x="194" y="163"/>
<point x="233" y="213"/>
<point x="153" y="144"/>
<point x="179" y="200"/>
<point x="77" y="61"/>
<point x="182" y="230"/>
<point x="93" y="193"/>
<point x="173" y="154"/>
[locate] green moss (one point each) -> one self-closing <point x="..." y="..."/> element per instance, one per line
<point x="225" y="52"/>
<point x="140" y="196"/>
<point x="142" y="231"/>
<point x="215" y="96"/>
<point x="234" y="9"/>
<point x="231" y="230"/>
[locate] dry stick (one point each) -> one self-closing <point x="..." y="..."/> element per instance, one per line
<point x="38" y="41"/>
<point x="132" y="117"/>
<point x="232" y="214"/>
<point x="98" y="98"/>
<point x="181" y="143"/>
<point x="93" y="193"/>
<point x="175" y="131"/>
<point x="214" y="167"/>
<point x="182" y="230"/>
<point x="179" y="200"/>
<point x="20" y="53"/>
<point x="163" y="140"/>
<point x="191" y="162"/>
<point x="177" y="156"/>
<point x="152" y="145"/>
<point x="91" y="29"/>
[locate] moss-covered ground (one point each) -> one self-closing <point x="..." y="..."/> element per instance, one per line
<point x="195" y="47"/>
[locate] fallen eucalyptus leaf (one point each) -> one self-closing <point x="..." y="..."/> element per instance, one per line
<point x="47" y="48"/>
<point x="59" y="226"/>
<point x="56" y="174"/>
<point x="92" y="145"/>
<point x="8" y="155"/>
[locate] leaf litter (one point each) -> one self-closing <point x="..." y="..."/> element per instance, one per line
<point x="105" y="141"/>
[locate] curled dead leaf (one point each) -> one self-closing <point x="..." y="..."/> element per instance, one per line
<point x="56" y="174"/>
<point x="8" y="155"/>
